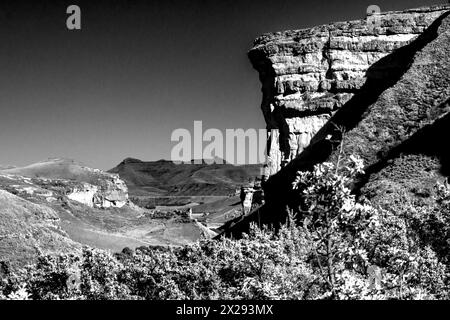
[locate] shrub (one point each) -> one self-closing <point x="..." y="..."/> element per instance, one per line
<point x="333" y="247"/>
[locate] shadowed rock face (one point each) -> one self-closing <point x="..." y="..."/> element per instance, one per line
<point x="387" y="88"/>
<point x="308" y="75"/>
<point x="165" y="178"/>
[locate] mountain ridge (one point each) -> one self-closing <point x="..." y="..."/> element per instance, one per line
<point x="164" y="177"/>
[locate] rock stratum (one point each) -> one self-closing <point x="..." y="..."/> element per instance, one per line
<point x="378" y="85"/>
<point x="308" y="75"/>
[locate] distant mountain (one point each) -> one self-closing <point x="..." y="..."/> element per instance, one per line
<point x="154" y="178"/>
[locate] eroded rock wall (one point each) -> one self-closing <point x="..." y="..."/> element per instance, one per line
<point x="397" y="117"/>
<point x="110" y="191"/>
<point x="308" y="75"/>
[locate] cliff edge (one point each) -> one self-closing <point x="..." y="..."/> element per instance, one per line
<point x="379" y="86"/>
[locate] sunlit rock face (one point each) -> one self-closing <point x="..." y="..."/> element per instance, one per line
<point x="381" y="93"/>
<point x="60" y="177"/>
<point x="308" y="75"/>
<point x="110" y="191"/>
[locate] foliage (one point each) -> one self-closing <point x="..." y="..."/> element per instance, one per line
<point x="367" y="253"/>
<point x="334" y="247"/>
<point x="334" y="223"/>
<point x="263" y="265"/>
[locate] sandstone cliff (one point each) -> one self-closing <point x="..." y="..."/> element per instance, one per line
<point x="383" y="89"/>
<point x="308" y="75"/>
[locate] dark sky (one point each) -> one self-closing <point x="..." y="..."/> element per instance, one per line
<point x="136" y="71"/>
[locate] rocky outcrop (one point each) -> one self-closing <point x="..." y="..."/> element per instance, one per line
<point x="109" y="192"/>
<point x="66" y="177"/>
<point x="395" y="114"/>
<point x="308" y="75"/>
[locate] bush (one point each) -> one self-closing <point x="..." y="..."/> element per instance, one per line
<point x="263" y="265"/>
<point x="367" y="253"/>
<point x="333" y="247"/>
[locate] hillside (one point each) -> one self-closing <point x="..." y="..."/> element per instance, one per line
<point x="27" y="228"/>
<point x="6" y="167"/>
<point x="58" y="205"/>
<point x="160" y="178"/>
<point x="90" y="186"/>
<point x="57" y="168"/>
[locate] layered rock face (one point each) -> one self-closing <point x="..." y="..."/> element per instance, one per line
<point x="308" y="75"/>
<point x="110" y="191"/>
<point x="379" y="93"/>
